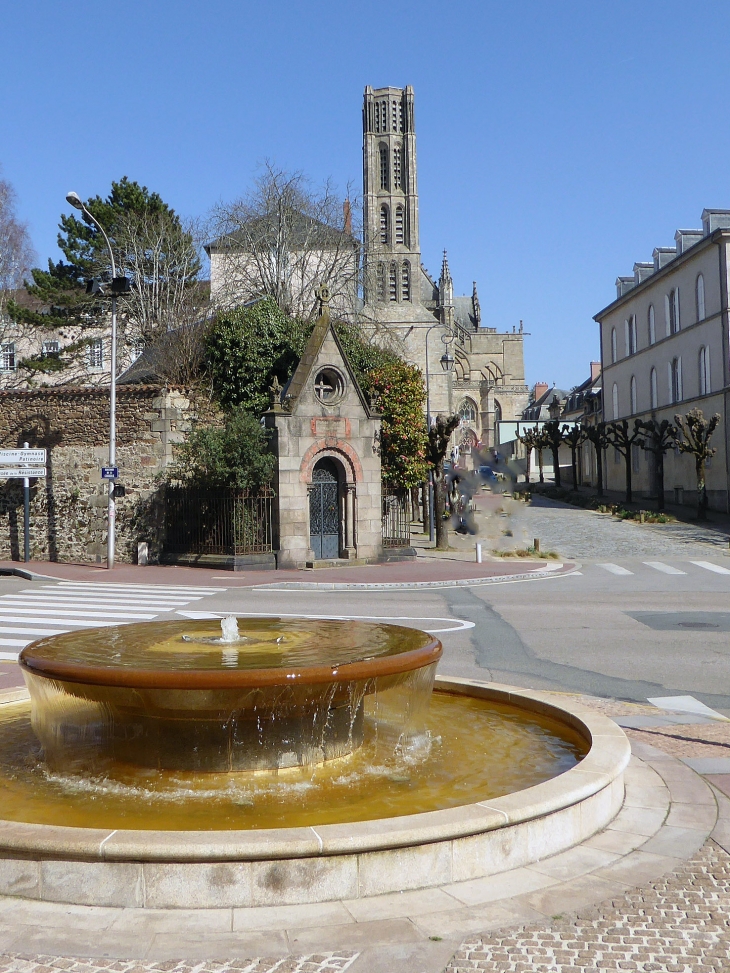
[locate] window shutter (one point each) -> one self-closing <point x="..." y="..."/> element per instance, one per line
<point x="667" y="315"/>
<point x="626" y="328"/>
<point x="677" y="324"/>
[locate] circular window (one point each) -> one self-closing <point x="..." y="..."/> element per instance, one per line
<point x="329" y="386"/>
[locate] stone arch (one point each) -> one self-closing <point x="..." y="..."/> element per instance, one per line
<point x="338" y="450"/>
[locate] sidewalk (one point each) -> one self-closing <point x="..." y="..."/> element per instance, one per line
<point x="423" y="572"/>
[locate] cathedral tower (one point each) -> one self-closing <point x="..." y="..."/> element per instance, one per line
<point x="393" y="256"/>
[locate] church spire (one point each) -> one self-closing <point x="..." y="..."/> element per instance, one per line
<point x="446" y="284"/>
<point x="475" y="304"/>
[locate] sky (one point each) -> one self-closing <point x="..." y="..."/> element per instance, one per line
<point x="558" y="142"/>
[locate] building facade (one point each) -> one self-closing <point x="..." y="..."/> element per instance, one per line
<point x="664" y="351"/>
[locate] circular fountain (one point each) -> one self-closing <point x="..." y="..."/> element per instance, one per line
<point x="271" y="761"/>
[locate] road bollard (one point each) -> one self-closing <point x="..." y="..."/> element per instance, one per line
<point x="479" y="553"/>
<point x="536" y="545"/>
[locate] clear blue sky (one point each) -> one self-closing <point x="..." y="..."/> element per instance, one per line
<point x="558" y="142"/>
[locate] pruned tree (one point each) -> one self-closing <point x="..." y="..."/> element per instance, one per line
<point x="697" y="432"/>
<point x="553" y="438"/>
<point x="659" y="439"/>
<point x="619" y="436"/>
<point x="529" y="440"/>
<point x="596" y="435"/>
<point x="439" y="437"/>
<point x="280" y="240"/>
<point x="574" y="437"/>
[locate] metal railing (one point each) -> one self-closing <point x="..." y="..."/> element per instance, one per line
<point x="226" y="522"/>
<point x="396" y="520"/>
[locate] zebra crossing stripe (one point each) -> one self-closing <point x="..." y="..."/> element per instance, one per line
<point x="117" y="586"/>
<point x="55" y="597"/>
<point x="709" y="566"/>
<point x="75" y="612"/>
<point x="66" y="622"/>
<point x="614" y="568"/>
<point x="664" y="568"/>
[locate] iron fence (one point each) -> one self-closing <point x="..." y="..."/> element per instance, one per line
<point x="396" y="520"/>
<point x="227" y="522"/>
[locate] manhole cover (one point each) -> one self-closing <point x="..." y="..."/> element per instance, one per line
<point x="697" y="625"/>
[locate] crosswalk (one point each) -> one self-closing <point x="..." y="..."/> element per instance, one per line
<point x="52" y="609"/>
<point x="620" y="570"/>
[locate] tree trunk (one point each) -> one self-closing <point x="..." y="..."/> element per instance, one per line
<point x="701" y="489"/>
<point x="599" y="470"/>
<point x="556" y="464"/>
<point x="627" y="458"/>
<point x="527" y="465"/>
<point x="439" y="509"/>
<point x="539" y="460"/>
<point x="425" y="507"/>
<point x="574" y="464"/>
<point x="659" y="454"/>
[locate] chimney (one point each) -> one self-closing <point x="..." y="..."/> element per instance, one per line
<point x="539" y="390"/>
<point x="347" y="210"/>
<point x="595" y="370"/>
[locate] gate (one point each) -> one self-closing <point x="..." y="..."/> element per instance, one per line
<point x="396" y="522"/>
<point x="324" y="511"/>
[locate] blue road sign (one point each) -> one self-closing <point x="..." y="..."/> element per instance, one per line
<point x="109" y="472"/>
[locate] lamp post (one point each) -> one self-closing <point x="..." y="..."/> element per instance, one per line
<point x="447" y="363"/>
<point x="75" y="200"/>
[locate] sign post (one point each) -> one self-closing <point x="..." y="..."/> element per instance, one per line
<point x="24" y="464"/>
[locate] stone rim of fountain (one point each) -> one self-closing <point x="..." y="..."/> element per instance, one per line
<point x="173" y="869"/>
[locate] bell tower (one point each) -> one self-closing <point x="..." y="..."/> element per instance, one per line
<point x="390" y="198"/>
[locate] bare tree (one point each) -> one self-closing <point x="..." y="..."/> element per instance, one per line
<point x="439" y="437"/>
<point x="553" y="439"/>
<point x="282" y="239"/>
<point x="16" y="250"/>
<point x="697" y="432"/>
<point x="529" y="440"/>
<point x="597" y="436"/>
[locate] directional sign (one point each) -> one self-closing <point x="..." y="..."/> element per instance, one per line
<point x="33" y="457"/>
<point x="9" y="472"/>
<point x="109" y="472"/>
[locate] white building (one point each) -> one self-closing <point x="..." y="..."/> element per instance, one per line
<point x="664" y="351"/>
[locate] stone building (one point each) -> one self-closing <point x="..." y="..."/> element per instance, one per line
<point x="328" y="481"/>
<point x="664" y="351"/>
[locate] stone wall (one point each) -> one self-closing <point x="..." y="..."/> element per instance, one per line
<point x="68" y="511"/>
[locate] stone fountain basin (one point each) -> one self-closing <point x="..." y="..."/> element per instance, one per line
<point x="223" y="869"/>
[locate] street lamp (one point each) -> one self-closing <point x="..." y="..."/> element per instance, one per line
<point x="447" y="364"/>
<point x="75" y="200"/>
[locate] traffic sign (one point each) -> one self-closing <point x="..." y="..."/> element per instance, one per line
<point x="8" y="472"/>
<point x="109" y="472"/>
<point x="33" y="457"/>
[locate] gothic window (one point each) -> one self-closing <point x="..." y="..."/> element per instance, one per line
<point x="384" y="224"/>
<point x="381" y="116"/>
<point x="653" y="389"/>
<point x="397" y="168"/>
<point x="381" y="281"/>
<point x="384" y="175"/>
<point x="394" y="116"/>
<point x="700" y="289"/>
<point x="614" y="353"/>
<point x="650" y="322"/>
<point x="399" y="234"/>
<point x="630" y="329"/>
<point x="393" y="283"/>
<point x="632" y="387"/>
<point x="405" y="281"/>
<point x="614" y="403"/>
<point x="704" y="363"/>
<point x="468" y="412"/>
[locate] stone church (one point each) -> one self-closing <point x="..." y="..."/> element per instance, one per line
<point x="487" y="382"/>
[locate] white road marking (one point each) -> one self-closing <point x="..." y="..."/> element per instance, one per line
<point x="457" y="624"/>
<point x="8" y="656"/>
<point x="665" y="568"/>
<point x="117" y="586"/>
<point x="686" y="704"/>
<point x="75" y="611"/>
<point x="108" y="596"/>
<point x="709" y="566"/>
<point x="614" y="568"/>
<point x="19" y="642"/>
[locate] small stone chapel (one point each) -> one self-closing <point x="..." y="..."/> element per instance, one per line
<point x="326" y="437"/>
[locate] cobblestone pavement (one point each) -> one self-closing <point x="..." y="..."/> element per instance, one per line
<point x="315" y="963"/>
<point x="576" y="533"/>
<point x="680" y="924"/>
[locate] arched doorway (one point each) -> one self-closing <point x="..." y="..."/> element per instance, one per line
<point x="324" y="510"/>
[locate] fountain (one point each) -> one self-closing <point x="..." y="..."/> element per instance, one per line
<point x="265" y="761"/>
